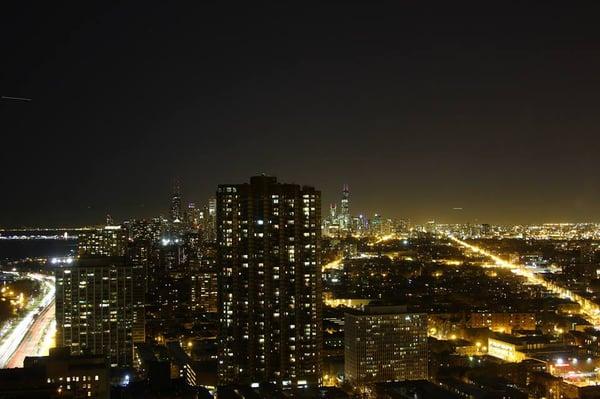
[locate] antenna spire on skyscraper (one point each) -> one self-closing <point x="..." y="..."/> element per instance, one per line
<point x="176" y="201"/>
<point x="176" y="187"/>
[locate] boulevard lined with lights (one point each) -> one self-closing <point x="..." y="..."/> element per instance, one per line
<point x="590" y="310"/>
<point x="12" y="343"/>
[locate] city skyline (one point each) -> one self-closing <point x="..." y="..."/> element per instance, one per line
<point x="455" y="215"/>
<point x="281" y="200"/>
<point x="254" y="294"/>
<point x="418" y="109"/>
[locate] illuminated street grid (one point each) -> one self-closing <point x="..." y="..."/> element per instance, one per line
<point x="590" y="310"/>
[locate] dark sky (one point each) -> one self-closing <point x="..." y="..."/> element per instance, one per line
<point x="419" y="107"/>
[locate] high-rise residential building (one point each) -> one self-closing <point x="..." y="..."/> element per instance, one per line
<point x="208" y="222"/>
<point x="97" y="308"/>
<point x="212" y="207"/>
<point x="139" y="256"/>
<point x="384" y="343"/>
<point x="204" y="290"/>
<point x="168" y="282"/>
<point x="106" y="241"/>
<point x="144" y="230"/>
<point x="269" y="283"/>
<point x="204" y="283"/>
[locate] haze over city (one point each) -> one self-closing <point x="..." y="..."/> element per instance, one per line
<point x="420" y="108"/>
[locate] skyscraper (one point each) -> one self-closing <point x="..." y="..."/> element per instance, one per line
<point x="176" y="215"/>
<point x="345" y="211"/>
<point x="96" y="309"/>
<point x="269" y="283"/>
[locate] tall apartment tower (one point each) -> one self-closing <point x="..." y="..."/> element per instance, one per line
<point x="208" y="223"/>
<point x="97" y="309"/>
<point x="212" y="207"/>
<point x="384" y="343"/>
<point x="269" y="283"/>
<point x="204" y="283"/>
<point x="106" y="241"/>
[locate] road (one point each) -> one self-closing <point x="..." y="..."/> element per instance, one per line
<point x="589" y="310"/>
<point x="29" y="331"/>
<point x="33" y="344"/>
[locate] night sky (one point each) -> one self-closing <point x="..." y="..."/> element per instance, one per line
<point x="420" y="108"/>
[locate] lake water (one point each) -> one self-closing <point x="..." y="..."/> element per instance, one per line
<point x="19" y="249"/>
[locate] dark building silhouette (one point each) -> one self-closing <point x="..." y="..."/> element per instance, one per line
<point x="175" y="212"/>
<point x="269" y="283"/>
<point x="58" y="375"/>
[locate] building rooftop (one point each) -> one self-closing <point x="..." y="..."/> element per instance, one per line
<point x="378" y="310"/>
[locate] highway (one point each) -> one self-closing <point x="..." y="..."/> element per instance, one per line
<point x="27" y="337"/>
<point x="589" y="310"/>
<point x="34" y="342"/>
